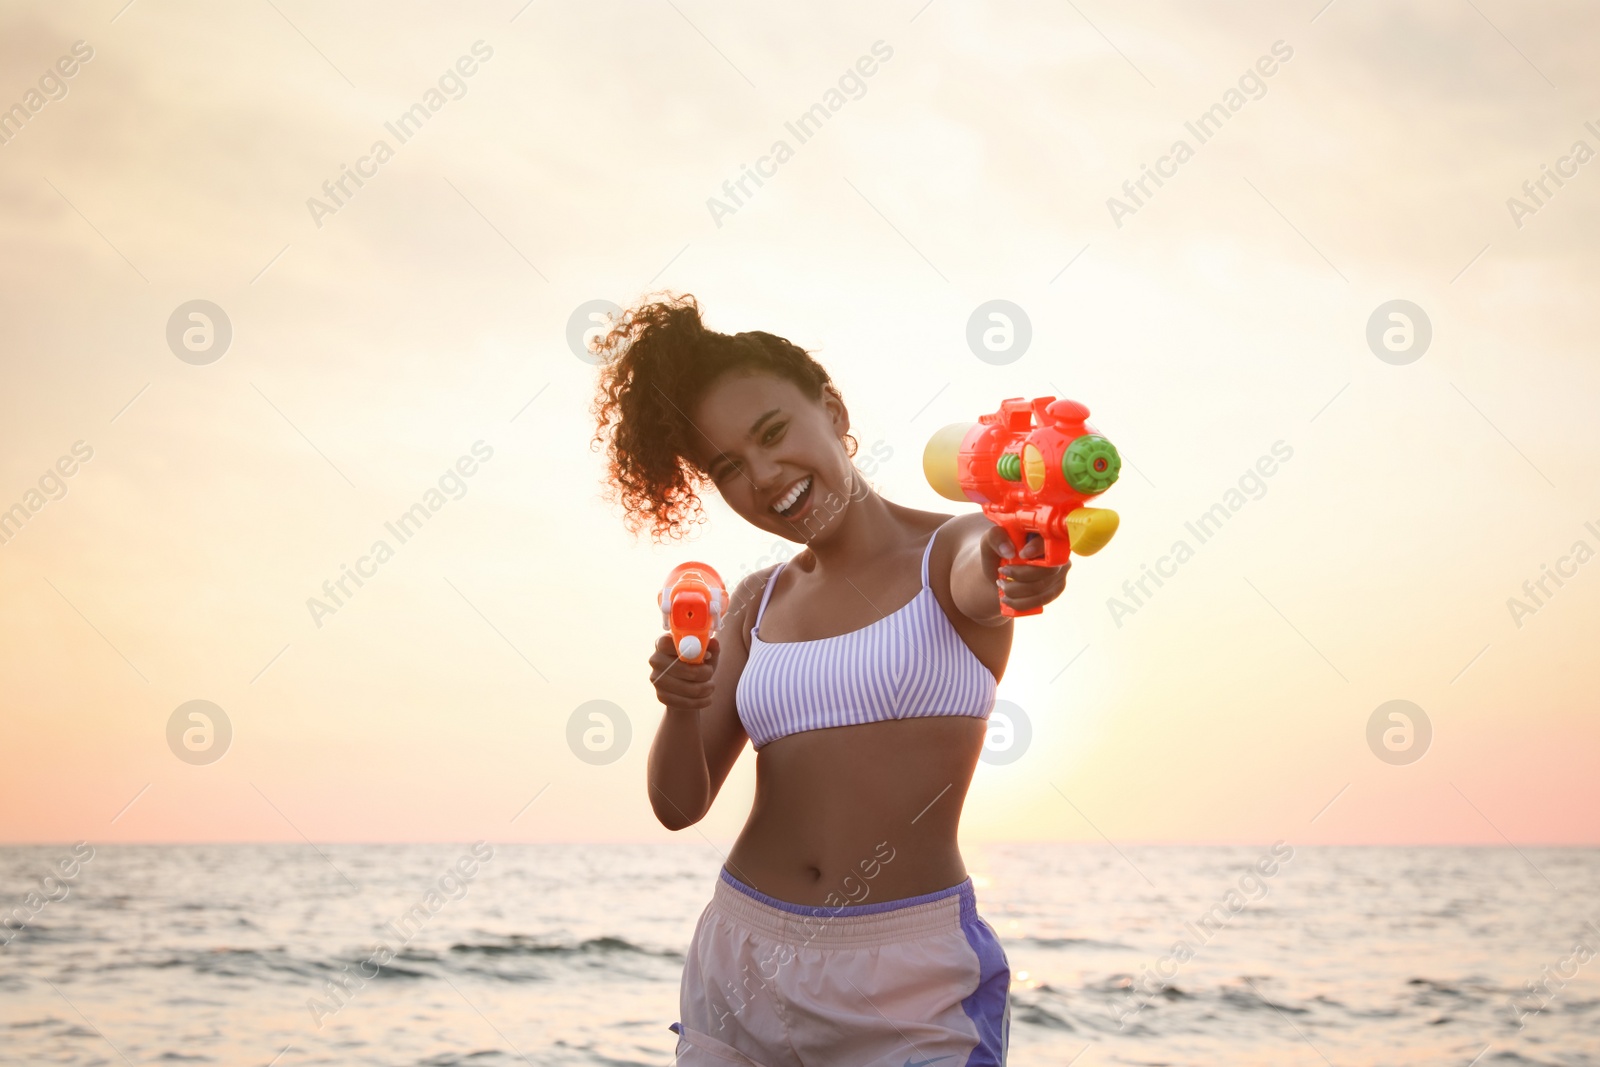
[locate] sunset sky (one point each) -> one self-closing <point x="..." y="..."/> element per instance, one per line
<point x="408" y="335"/>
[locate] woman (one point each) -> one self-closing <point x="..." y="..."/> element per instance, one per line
<point x="842" y="928"/>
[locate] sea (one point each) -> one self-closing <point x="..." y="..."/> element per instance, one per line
<point x="489" y="955"/>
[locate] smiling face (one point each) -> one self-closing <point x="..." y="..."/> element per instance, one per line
<point x="762" y="437"/>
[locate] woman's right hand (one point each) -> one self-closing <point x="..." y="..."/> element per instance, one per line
<point x="682" y="686"/>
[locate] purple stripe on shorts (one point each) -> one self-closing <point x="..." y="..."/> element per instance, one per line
<point x="987" y="1006"/>
<point x="969" y="907"/>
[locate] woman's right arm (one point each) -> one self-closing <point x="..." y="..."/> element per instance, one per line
<point x="700" y="735"/>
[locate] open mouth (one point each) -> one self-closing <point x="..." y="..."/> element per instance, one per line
<point x="798" y="500"/>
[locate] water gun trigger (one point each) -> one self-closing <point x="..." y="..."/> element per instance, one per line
<point x="1090" y="529"/>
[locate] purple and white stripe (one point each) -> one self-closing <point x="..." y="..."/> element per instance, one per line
<point x="911" y="663"/>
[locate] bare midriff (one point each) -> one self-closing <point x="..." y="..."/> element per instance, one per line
<point x="859" y="814"/>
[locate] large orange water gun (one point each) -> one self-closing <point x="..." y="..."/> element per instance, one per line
<point x="1032" y="465"/>
<point x="692" y="602"/>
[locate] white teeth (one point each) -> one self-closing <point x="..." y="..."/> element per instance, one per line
<point x="794" y="494"/>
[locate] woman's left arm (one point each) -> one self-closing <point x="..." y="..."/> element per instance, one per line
<point x="982" y="563"/>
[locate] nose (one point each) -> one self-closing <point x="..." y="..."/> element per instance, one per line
<point x="766" y="474"/>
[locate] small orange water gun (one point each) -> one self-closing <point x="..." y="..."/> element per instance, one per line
<point x="692" y="604"/>
<point x="1032" y="465"/>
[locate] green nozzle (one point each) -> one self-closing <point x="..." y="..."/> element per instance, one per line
<point x="1091" y="464"/>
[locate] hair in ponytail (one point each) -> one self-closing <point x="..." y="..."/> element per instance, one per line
<point x="659" y="359"/>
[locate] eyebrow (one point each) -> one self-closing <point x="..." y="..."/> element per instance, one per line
<point x="755" y="427"/>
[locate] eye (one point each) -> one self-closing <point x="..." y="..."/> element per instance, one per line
<point x="727" y="467"/>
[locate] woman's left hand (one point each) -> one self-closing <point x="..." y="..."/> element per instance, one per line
<point x="1022" y="586"/>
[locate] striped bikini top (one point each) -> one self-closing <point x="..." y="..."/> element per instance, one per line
<point x="909" y="664"/>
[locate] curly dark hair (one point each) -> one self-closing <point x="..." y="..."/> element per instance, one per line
<point x="658" y="359"/>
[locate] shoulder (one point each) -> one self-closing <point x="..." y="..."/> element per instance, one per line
<point x="960" y="529"/>
<point x="922" y="525"/>
<point x="989" y="641"/>
<point x="950" y="533"/>
<point x="743" y="601"/>
<point x="951" y="543"/>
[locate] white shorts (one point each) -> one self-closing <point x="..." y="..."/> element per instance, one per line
<point x="921" y="981"/>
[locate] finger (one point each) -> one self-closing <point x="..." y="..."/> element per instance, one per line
<point x="1020" y="575"/>
<point x="1039" y="588"/>
<point x="1039" y="584"/>
<point x="1034" y="548"/>
<point x="686" y="703"/>
<point x="1033" y="571"/>
<point x="1019" y="597"/>
<point x="679" y="670"/>
<point x="696" y="673"/>
<point x="1028" y="596"/>
<point x="682" y="697"/>
<point x="1046" y="584"/>
<point x="997" y="541"/>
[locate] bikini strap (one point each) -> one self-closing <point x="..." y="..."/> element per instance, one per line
<point x="928" y="552"/>
<point x="766" y="595"/>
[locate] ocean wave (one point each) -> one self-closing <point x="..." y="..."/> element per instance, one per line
<point x="229" y="963"/>
<point x="521" y="945"/>
<point x="1250" y="997"/>
<point x="1025" y="1012"/>
<point x="1069" y="942"/>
